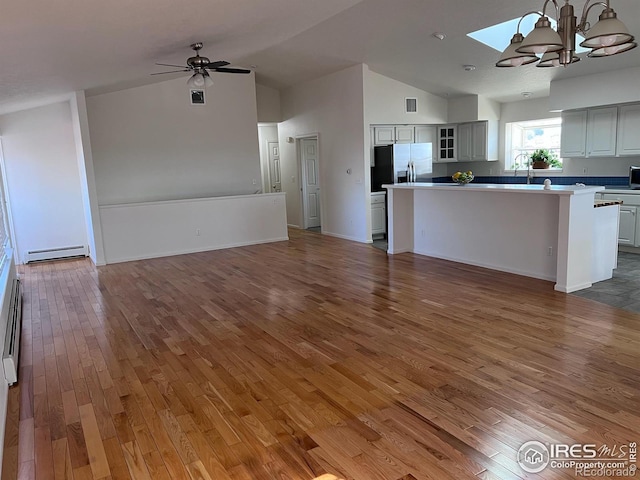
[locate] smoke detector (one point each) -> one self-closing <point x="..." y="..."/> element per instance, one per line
<point x="469" y="68"/>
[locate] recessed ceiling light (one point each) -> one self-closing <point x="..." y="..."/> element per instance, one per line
<point x="439" y="36"/>
<point x="527" y="94"/>
<point x="469" y="68"/>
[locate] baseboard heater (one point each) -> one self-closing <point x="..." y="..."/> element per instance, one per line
<point x="56" y="253"/>
<point x="12" y="339"/>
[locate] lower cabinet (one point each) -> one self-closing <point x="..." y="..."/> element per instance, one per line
<point x="378" y="214"/>
<point x="627" y="229"/>
<point x="629" y="226"/>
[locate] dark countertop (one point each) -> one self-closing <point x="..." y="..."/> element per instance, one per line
<point x="606" y="203"/>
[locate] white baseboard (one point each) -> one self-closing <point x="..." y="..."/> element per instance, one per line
<point x="500" y="268"/>
<point x="195" y="250"/>
<point x="345" y="237"/>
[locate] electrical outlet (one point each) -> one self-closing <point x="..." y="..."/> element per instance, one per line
<point x="585" y="170"/>
<point x="255" y="182"/>
<point x="423" y="233"/>
<point x="491" y="171"/>
<point x="550" y="252"/>
<point x="197" y="232"/>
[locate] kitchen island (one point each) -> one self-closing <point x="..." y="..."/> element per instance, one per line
<point x="550" y="234"/>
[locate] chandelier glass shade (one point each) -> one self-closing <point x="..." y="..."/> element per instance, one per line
<point x="609" y="36"/>
<point x="200" y="79"/>
<point x="511" y="58"/>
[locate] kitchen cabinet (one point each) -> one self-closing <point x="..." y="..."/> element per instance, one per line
<point x="425" y="134"/>
<point x="404" y="134"/>
<point x="384" y="135"/>
<point x="601" y="131"/>
<point x="627" y="229"/>
<point x="629" y="226"/>
<point x="628" y="141"/>
<point x="573" y="139"/>
<point x="378" y="214"/>
<point x="447" y="148"/>
<point x="478" y="141"/>
<point x="465" y="142"/>
<point x="388" y="135"/>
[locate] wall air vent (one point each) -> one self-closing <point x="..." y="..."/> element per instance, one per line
<point x="411" y="105"/>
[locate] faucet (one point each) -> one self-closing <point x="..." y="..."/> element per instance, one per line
<point x="528" y="167"/>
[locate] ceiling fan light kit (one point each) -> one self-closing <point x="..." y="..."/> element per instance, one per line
<point x="609" y="36"/>
<point x="199" y="67"/>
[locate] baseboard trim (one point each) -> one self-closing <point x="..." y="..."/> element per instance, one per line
<point x="195" y="250"/>
<point x="344" y="237"/>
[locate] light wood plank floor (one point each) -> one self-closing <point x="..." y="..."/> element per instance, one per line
<point x="311" y="358"/>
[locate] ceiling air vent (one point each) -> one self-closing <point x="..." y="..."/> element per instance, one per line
<point x="411" y="105"/>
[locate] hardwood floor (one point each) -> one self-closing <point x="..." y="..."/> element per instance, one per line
<point x="313" y="358"/>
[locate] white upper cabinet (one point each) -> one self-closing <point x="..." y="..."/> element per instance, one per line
<point x="477" y="141"/>
<point x="465" y="142"/>
<point x="628" y="130"/>
<point x="388" y="135"/>
<point x="447" y="148"/>
<point x="480" y="141"/>
<point x="384" y="135"/>
<point x="601" y="131"/>
<point x="404" y="134"/>
<point x="426" y="134"/>
<point x="574" y="134"/>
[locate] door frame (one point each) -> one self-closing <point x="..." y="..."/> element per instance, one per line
<point x="8" y="211"/>
<point x="301" y="175"/>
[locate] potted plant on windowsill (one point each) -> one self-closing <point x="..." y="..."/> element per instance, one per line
<point x="543" y="158"/>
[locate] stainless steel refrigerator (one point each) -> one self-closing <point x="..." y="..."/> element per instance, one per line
<point x="391" y="163"/>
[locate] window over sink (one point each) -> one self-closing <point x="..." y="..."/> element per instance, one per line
<point x="523" y="138"/>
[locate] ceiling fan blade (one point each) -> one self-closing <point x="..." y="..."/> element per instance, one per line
<point x="172" y="71"/>
<point x="170" y="65"/>
<point x="231" y="70"/>
<point x="218" y="64"/>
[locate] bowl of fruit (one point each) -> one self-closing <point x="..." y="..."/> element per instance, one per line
<point x="462" y="178"/>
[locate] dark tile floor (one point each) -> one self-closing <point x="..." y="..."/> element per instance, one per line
<point x="623" y="290"/>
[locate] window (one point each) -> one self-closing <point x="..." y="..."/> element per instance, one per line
<point x="523" y="138"/>
<point x="5" y="243"/>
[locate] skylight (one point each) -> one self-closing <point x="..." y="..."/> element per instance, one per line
<point x="499" y="36"/>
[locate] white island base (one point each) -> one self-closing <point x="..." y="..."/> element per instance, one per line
<point x="554" y="234"/>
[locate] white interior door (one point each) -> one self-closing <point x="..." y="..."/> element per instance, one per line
<point x="274" y="166"/>
<point x="311" y="182"/>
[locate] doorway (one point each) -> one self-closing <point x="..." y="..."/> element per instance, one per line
<point x="310" y="173"/>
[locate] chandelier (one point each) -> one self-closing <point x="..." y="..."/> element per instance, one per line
<point x="609" y="36"/>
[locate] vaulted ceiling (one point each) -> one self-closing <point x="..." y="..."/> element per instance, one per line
<point x="50" y="48"/>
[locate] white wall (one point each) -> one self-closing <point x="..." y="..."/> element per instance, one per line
<point x="149" y="143"/>
<point x="331" y="106"/>
<point x="608" y="88"/>
<point x="266" y="133"/>
<point x="43" y="180"/>
<point x="137" y="231"/>
<point x="80" y="125"/>
<point x="268" y="100"/>
<point x="385" y="102"/>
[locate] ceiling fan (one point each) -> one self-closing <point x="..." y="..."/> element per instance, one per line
<point x="200" y="66"/>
